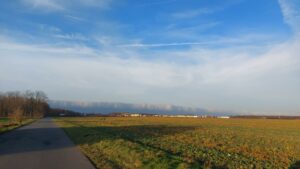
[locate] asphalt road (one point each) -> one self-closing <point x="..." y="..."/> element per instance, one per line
<point x="40" y="145"/>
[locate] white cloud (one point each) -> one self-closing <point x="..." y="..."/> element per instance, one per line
<point x="291" y="13"/>
<point x="224" y="79"/>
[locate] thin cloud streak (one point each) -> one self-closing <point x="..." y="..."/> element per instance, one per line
<point x="191" y="13"/>
<point x="75" y="18"/>
<point x="157" y="3"/>
<point x="239" y="40"/>
<point x="63" y="5"/>
<point x="71" y="37"/>
<point x="45" y="4"/>
<point x="162" y="44"/>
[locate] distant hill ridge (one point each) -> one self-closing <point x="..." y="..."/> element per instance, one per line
<point x="109" y="107"/>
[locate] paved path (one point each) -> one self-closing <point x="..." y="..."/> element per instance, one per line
<point x="40" y="145"/>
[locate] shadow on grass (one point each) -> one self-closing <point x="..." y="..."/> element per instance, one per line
<point x="43" y="136"/>
<point x="137" y="135"/>
<point x="39" y="138"/>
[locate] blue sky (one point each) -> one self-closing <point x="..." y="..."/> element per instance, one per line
<point x="222" y="55"/>
<point x="146" y="22"/>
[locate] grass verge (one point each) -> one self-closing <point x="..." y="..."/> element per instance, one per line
<point x="6" y="125"/>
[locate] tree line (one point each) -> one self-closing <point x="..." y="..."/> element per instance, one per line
<point x="28" y="104"/>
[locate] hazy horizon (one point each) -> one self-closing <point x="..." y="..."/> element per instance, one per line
<point x="111" y="107"/>
<point x="233" y="55"/>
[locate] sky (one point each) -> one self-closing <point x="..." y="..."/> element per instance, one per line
<point x="240" y="56"/>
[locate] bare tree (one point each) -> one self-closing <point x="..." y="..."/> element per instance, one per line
<point x="30" y="101"/>
<point x="40" y="100"/>
<point x="31" y="104"/>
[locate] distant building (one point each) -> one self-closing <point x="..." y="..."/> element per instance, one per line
<point x="223" y="117"/>
<point x="180" y="115"/>
<point x="135" y="115"/>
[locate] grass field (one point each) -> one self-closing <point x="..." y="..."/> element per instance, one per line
<point x="155" y="142"/>
<point x="6" y="124"/>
